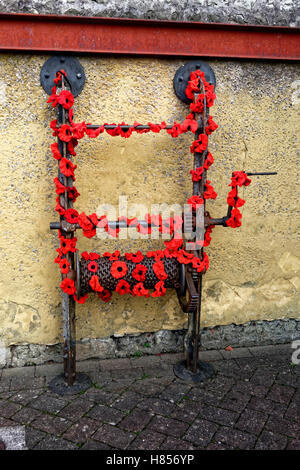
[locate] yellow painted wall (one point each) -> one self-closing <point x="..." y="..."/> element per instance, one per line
<point x="254" y="270"/>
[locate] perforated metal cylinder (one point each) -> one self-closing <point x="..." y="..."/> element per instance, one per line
<point x="107" y="281"/>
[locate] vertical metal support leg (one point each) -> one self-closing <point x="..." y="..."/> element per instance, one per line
<point x="69" y="334"/>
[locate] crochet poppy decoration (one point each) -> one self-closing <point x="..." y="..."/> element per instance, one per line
<point x="202" y="96"/>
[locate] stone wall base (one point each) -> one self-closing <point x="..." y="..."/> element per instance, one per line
<point x="258" y="333"/>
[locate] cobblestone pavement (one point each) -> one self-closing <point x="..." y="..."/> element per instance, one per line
<point x="251" y="403"/>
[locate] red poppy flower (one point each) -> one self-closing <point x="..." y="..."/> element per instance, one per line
<point x="235" y="219"/>
<point x="174" y="244"/>
<point x="209" y="192"/>
<point x="197" y="173"/>
<point x="212" y="126"/>
<point x="207" y="237"/>
<point x="66" y="99"/>
<point x="53" y="126"/>
<point x="93" y="266"/>
<point x="240" y="178"/>
<point x="105" y="295"/>
<point x="159" y="289"/>
<point x="189" y="125"/>
<point x="139" y="290"/>
<point x="139" y="272"/>
<point x="118" y="269"/>
<point x="184" y="257"/>
<point x="59" y="208"/>
<point x="53" y="98"/>
<point x="68" y="286"/>
<point x="71" y="216"/>
<point x="157" y="255"/>
<point x="85" y="255"/>
<point x="78" y="130"/>
<point x="144" y="230"/>
<point x="176" y="129"/>
<point x="59" y="257"/>
<point x="72" y="193"/>
<point x="94" y="256"/>
<point x="159" y="270"/>
<point x="66" y="167"/>
<point x="198" y="105"/>
<point x="93" y="133"/>
<point x="208" y="161"/>
<point x="233" y="199"/>
<point x="135" y="257"/>
<point x="68" y="244"/>
<point x="65" y="133"/>
<point x="198" y="264"/>
<point x="199" y="145"/>
<point x="195" y="201"/>
<point x="95" y="285"/>
<point x="210" y="96"/>
<point x="60" y="188"/>
<point x="123" y="287"/>
<point x="55" y="152"/>
<point x="64" y="266"/>
<point x="154" y="127"/>
<point x="81" y="300"/>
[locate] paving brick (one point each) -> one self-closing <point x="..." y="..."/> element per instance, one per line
<point x="175" y="393"/>
<point x="127" y="401"/>
<point x="6" y="422"/>
<point x="118" y="387"/>
<point x="168" y="358"/>
<point x="51" y="424"/>
<point x="234" y="438"/>
<point x="145" y="361"/>
<point x="94" y="445"/>
<point x="187" y="411"/>
<point x="33" y="436"/>
<point x="19" y="372"/>
<point x="23" y="383"/>
<point x="201" y="432"/>
<point x="294" y="444"/>
<point x="281" y="394"/>
<point x="272" y="350"/>
<point x="134" y="373"/>
<point x="176" y="444"/>
<point x="267" y="406"/>
<point x="49" y="370"/>
<point x="25" y="396"/>
<point x="270" y="441"/>
<point x="156" y="405"/>
<point x="147" y="387"/>
<point x="147" y="440"/>
<point x="263" y="377"/>
<point x="283" y="426"/>
<point x="26" y="415"/>
<point x="251" y="389"/>
<point x="96" y="395"/>
<point x="287" y="377"/>
<point x="106" y="414"/>
<point x="251" y="421"/>
<point x="55" y="443"/>
<point x="136" y="420"/>
<point x="168" y="426"/>
<point x="82" y="430"/>
<point x="5" y="384"/>
<point x="8" y="409"/>
<point x="115" y="364"/>
<point x="48" y="403"/>
<point x="218" y="415"/>
<point x="236" y="353"/>
<point x="76" y="409"/>
<point x="293" y="412"/>
<point x="210" y="356"/>
<point x="114" y="436"/>
<point x="235" y="401"/>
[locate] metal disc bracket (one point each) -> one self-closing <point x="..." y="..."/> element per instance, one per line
<point x="72" y="67"/>
<point x="182" y="77"/>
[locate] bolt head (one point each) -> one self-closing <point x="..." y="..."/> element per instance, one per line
<point x="78" y="75"/>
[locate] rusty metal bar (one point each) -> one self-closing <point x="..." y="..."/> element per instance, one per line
<point x="61" y="34"/>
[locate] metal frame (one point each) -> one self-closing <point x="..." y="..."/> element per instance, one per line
<point x="94" y="35"/>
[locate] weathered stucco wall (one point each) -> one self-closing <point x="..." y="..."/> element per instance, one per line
<point x="269" y="12"/>
<point x="255" y="270"/>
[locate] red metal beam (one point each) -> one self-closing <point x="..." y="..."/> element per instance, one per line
<point x="65" y="34"/>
